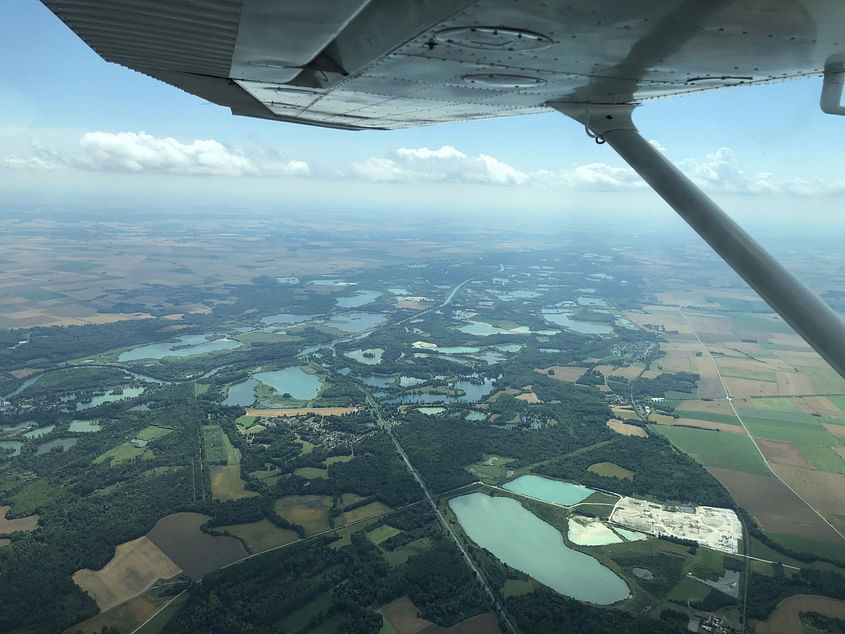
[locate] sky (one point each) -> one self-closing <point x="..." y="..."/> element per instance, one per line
<point x="75" y="128"/>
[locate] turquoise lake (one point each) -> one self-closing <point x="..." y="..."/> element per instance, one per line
<point x="241" y="394"/>
<point x="127" y="392"/>
<point x="549" y="490"/>
<point x="524" y="541"/>
<point x="300" y="385"/>
<point x="185" y="346"/>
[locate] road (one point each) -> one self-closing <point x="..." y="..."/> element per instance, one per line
<point x="748" y="433"/>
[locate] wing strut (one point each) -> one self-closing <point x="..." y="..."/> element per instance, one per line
<point x="814" y="320"/>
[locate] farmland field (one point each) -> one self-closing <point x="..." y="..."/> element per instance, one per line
<point x="382" y="533"/>
<point x="126" y="616"/>
<point x="196" y="553"/>
<point x="260" y="536"/>
<point x="786" y="617"/>
<point x="124" y="452"/>
<point x="28" y="523"/>
<point x="368" y="510"/>
<point x="136" y="565"/>
<point x="716" y="449"/>
<point x="226" y="483"/>
<point x="311" y="512"/>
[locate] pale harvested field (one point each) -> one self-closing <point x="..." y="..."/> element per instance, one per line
<point x="783" y="453"/>
<point x="836" y="430"/>
<point x="624" y="411"/>
<point x="510" y="390"/>
<point x="625" y="429"/>
<point x="4" y="541"/>
<point x="774" y="506"/>
<point x="825" y="491"/>
<point x="708" y="424"/>
<point x="790" y="340"/>
<point x="563" y="372"/>
<point x="721" y="406"/>
<point x="311" y="512"/>
<point x="793" y="359"/>
<point x="790" y="384"/>
<point x="135" y="567"/>
<point x="528" y="397"/>
<point x="411" y="304"/>
<point x="404" y="616"/>
<point x="651" y="374"/>
<point x="840" y="451"/>
<point x="24" y="372"/>
<point x="302" y="411"/>
<point x="28" y="523"/>
<point x="721" y="326"/>
<point x="670" y="321"/>
<point x="818" y="405"/>
<point x="744" y="388"/>
<point x="629" y="372"/>
<point x="786" y="619"/>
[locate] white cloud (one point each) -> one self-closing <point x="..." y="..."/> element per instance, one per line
<point x="446" y="164"/>
<point x="32" y="163"/>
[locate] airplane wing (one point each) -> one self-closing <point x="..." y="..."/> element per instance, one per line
<point x="402" y="63"/>
<point x="385" y="64"/>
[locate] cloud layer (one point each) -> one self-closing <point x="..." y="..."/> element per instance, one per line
<point x="139" y="152"/>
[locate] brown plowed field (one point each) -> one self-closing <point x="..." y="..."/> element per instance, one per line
<point x="785" y="618"/>
<point x="403" y="615"/>
<point x="774" y="506"/>
<point x="28" y="523"/>
<point x="836" y="430"/>
<point x="784" y="453"/>
<point x="197" y="553"/>
<point x="720" y="406"/>
<point x="825" y="491"/>
<point x="742" y="388"/>
<point x="135" y="567"/>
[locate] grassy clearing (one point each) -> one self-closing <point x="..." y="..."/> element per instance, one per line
<point x="312" y="473"/>
<point x="796" y="418"/>
<point x="124" y="452"/>
<point x="688" y="590"/>
<point x="611" y="470"/>
<point x="245" y="421"/>
<point x="715" y="449"/>
<point x="218" y="447"/>
<point x="335" y="459"/>
<point x="815" y="443"/>
<point x="260" y="536"/>
<point x="517" y="587"/>
<point x="824" y="380"/>
<point x="200" y="389"/>
<point x="491" y="468"/>
<point x="40" y="295"/>
<point x="226" y="483"/>
<point x="363" y="512"/>
<point x="157" y="623"/>
<point x="382" y="533"/>
<point x="152" y="432"/>
<point x="401" y="555"/>
<point x="311" y="512"/>
<point x="776" y="405"/>
<point x="307" y="447"/>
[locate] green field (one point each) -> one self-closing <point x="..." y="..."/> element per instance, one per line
<point x="824" y="380"/>
<point x="748" y="373"/>
<point x="152" y="432"/>
<point x="226" y="483"/>
<point x="40" y="295"/>
<point x="260" y="536"/>
<point x="776" y="405"/>
<point x="491" y="468"/>
<point x="672" y="395"/>
<point x="311" y="473"/>
<point x="123" y="453"/>
<point x="382" y="533"/>
<point x="814" y="443"/>
<point x="727" y="419"/>
<point x="839" y="401"/>
<point x="715" y="449"/>
<point x="218" y="447"/>
<point x="796" y="418"/>
<point x="400" y="555"/>
<point x="245" y="421"/>
<point x="611" y="470"/>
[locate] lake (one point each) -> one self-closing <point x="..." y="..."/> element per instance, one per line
<point x="475" y="415"/>
<point x="370" y="356"/>
<point x="473" y="392"/>
<point x="285" y="318"/>
<point x="300" y="385"/>
<point x="555" y="491"/>
<point x="127" y="392"/>
<point x="185" y="346"/>
<point x="360" y="298"/>
<point x="481" y="329"/>
<point x="431" y="411"/>
<point x="241" y="394"/>
<point x="86" y="426"/>
<point x="524" y="541"/>
<point x="47" y="447"/>
<point x="355" y="322"/>
<point x="562" y="318"/>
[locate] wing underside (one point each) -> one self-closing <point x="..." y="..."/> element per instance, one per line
<point x="401" y="63"/>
